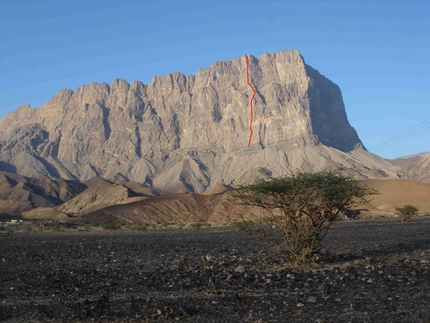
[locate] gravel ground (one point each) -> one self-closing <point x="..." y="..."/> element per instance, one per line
<point x="369" y="272"/>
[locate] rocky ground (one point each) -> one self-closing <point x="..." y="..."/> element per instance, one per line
<point x="370" y="271"/>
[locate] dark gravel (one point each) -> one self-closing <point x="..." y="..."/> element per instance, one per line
<point x="368" y="272"/>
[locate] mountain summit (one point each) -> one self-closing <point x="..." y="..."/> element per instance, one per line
<point x="188" y="133"/>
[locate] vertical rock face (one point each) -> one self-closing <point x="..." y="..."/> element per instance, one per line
<point x="191" y="132"/>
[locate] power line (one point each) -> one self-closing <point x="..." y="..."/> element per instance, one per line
<point x="424" y="125"/>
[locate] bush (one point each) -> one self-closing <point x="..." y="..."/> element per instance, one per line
<point x="198" y="225"/>
<point x="152" y="226"/>
<point x="55" y="227"/>
<point x="69" y="225"/>
<point x="138" y="227"/>
<point x="245" y="225"/>
<point x="195" y="225"/>
<point x="303" y="207"/>
<point x="112" y="226"/>
<point x="9" y="230"/>
<point x="407" y="211"/>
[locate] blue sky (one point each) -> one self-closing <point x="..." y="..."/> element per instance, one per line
<point x="376" y="51"/>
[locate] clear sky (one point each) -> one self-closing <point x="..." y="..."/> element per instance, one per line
<point x="377" y="51"/>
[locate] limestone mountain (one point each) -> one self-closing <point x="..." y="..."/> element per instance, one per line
<point x="187" y="133"/>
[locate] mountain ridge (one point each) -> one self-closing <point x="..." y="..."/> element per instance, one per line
<point x="187" y="133"/>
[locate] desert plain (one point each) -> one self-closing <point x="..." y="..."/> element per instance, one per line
<point x="375" y="270"/>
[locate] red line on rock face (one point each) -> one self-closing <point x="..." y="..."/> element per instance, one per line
<point x="250" y="101"/>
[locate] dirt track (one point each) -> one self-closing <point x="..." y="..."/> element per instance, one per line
<point x="371" y="272"/>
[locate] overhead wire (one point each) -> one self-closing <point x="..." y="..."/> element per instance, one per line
<point x="415" y="130"/>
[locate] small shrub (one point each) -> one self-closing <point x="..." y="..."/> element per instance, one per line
<point x="69" y="225"/>
<point x="245" y="225"/>
<point x="198" y="225"/>
<point x="195" y="225"/>
<point x="407" y="211"/>
<point x="55" y="227"/>
<point x="138" y="227"/>
<point x="112" y="226"/>
<point x="10" y="230"/>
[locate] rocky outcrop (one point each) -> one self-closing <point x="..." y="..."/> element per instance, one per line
<point x="187" y="133"/>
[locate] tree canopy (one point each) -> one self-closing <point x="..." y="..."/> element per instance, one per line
<point x="303" y="207"/>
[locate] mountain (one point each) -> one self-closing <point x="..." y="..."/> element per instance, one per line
<point x="188" y="133"/>
<point x="414" y="155"/>
<point x="19" y="193"/>
<point x="416" y="167"/>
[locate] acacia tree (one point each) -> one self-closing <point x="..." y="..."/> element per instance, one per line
<point x="303" y="207"/>
<point x="407" y="211"/>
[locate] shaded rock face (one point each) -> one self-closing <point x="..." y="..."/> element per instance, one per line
<point x="327" y="113"/>
<point x="187" y="133"/>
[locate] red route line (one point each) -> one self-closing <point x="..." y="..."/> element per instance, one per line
<point x="250" y="101"/>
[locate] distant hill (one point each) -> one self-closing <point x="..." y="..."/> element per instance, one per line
<point x="99" y="195"/>
<point x="19" y="193"/>
<point x="415" y="168"/>
<point x="214" y="207"/>
<point x="413" y="155"/>
<point x="396" y="193"/>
